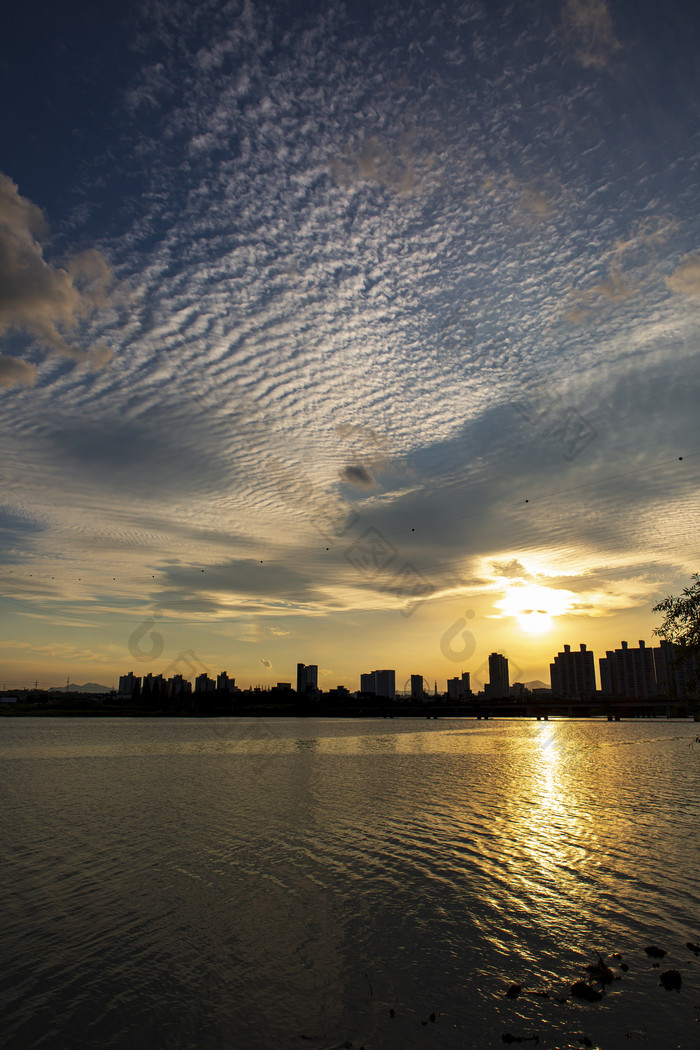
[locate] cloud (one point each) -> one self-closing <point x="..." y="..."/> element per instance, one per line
<point x="15" y="526"/>
<point x="287" y="335"/>
<point x="633" y="262"/>
<point x="142" y="456"/>
<point x="646" y="236"/>
<point x="686" y="277"/>
<point x="360" y="476"/>
<point x="14" y="372"/>
<point x="366" y="434"/>
<point x="536" y="204"/>
<point x="576" y="315"/>
<point x="531" y="203"/>
<point x="232" y="583"/>
<point x="398" y="168"/>
<point x="366" y="444"/>
<point x="589" y="32"/>
<point x="614" y="289"/>
<point x="35" y="297"/>
<point x="512" y="570"/>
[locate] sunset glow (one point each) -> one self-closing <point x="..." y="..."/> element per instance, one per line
<point x="535" y="607"/>
<point x="337" y="335"/>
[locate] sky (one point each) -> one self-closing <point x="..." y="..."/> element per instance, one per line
<point x="362" y="335"/>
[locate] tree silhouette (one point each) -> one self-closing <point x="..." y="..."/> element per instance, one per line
<point x="681" y="627"/>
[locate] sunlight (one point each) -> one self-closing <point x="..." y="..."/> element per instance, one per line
<point x="534" y="606"/>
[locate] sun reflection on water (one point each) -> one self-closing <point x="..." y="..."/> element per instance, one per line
<point x="550" y="858"/>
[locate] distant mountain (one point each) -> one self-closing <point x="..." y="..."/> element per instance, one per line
<point x="536" y="685"/>
<point x="89" y="687"/>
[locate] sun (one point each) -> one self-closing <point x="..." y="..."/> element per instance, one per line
<point x="535" y="606"/>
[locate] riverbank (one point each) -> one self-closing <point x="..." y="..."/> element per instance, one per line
<point x="612" y="710"/>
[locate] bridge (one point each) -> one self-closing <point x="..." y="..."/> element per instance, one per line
<point x="615" y="709"/>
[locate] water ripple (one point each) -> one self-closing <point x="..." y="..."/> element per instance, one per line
<point x="160" y="889"/>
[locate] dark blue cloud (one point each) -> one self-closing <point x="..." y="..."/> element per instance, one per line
<point x="17" y="527"/>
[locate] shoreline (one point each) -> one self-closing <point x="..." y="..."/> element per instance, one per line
<point x="430" y="712"/>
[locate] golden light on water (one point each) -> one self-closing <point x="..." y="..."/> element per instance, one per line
<point x="548" y="824"/>
<point x="550" y="758"/>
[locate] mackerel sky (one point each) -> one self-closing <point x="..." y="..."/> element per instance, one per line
<point x="358" y="335"/>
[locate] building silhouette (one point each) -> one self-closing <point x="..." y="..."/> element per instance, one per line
<point x="417" y="690"/>
<point x="129" y="684"/>
<point x="498" y="684"/>
<point x="204" y="684"/>
<point x="459" y="688"/>
<point x="628" y="672"/>
<point x="153" y="689"/>
<point x="573" y="674"/>
<point x="676" y="674"/>
<point x="379" y="683"/>
<point x="178" y="687"/>
<point x="307" y="679"/>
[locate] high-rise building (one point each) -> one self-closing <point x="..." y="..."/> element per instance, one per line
<point x="367" y="682"/>
<point x="152" y="687"/>
<point x="675" y="677"/>
<point x="628" y="672"/>
<point x="385" y="683"/>
<point x="499" y="682"/>
<point x="459" y="688"/>
<point x="573" y="674"/>
<point x="129" y="684"/>
<point x="379" y="683"/>
<point x="417" y="691"/>
<point x="307" y="679"/>
<point x="664" y="668"/>
<point x="204" y="684"/>
<point x="178" y="687"/>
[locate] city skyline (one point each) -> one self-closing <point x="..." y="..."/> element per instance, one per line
<point x="630" y="669"/>
<point x="340" y="331"/>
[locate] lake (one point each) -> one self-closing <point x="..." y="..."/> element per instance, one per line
<point x="321" y="883"/>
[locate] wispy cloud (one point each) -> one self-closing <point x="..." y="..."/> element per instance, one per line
<point x="589" y="30"/>
<point x="613" y="289"/>
<point x="686" y="277"/>
<point x="14" y="372"/>
<point x="396" y="165"/>
<point x="343" y="264"/>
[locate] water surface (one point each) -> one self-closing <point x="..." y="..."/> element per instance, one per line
<point x="289" y="883"/>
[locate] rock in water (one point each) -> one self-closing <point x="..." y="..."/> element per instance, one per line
<point x="601" y="971"/>
<point x="581" y="990"/>
<point x="655" y="953"/>
<point x="671" y="980"/>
